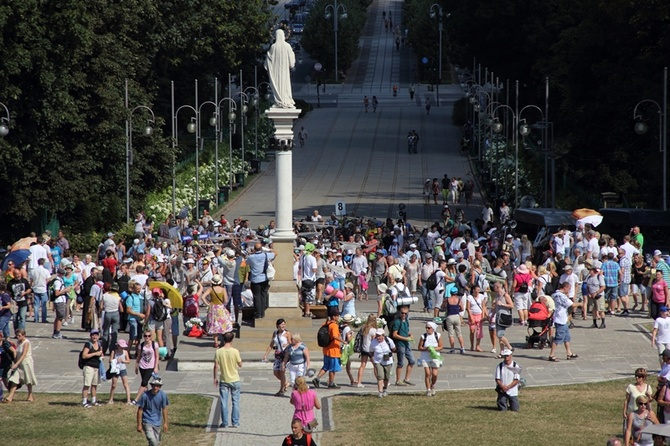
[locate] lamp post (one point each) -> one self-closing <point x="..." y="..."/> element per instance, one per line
<point x="476" y="102"/>
<point x="148" y="130"/>
<point x="436" y="11"/>
<point x="255" y="102"/>
<point x="332" y="11"/>
<point x="641" y="128"/>
<point x="523" y="129"/>
<point x="232" y="108"/>
<point x="4" y="122"/>
<point x="194" y="128"/>
<point x="244" y="99"/>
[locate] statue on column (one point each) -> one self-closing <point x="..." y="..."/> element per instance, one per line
<point x="279" y="62"/>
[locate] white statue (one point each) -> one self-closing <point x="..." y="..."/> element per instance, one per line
<point x="279" y="62"/>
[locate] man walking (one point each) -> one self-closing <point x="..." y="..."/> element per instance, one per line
<point x="562" y="335"/>
<point x="402" y="337"/>
<point x="507" y="383"/>
<point x="331" y="352"/>
<point x="152" y="413"/>
<point x="227" y="362"/>
<point x="38" y="280"/>
<point x="260" y="285"/>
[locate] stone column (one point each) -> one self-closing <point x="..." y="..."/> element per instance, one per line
<point x="283" y="293"/>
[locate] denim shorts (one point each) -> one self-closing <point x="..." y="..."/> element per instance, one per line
<point x="562" y="334"/>
<point x="404" y="352"/>
<point x="624" y="289"/>
<point x="611" y="292"/>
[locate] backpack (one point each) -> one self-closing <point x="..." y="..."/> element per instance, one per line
<point x="7" y="354"/>
<point x="158" y="311"/>
<point x="323" y="336"/>
<point x="390" y="307"/>
<point x="191" y="308"/>
<point x="289" y="439"/>
<point x="82" y="362"/>
<point x="51" y="289"/>
<point x="358" y="342"/>
<point x="431" y="282"/>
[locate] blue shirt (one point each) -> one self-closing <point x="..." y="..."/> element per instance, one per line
<point x="152" y="407"/>
<point x="611" y="273"/>
<point x="136" y="303"/>
<point x="402" y="327"/>
<point x="256" y="263"/>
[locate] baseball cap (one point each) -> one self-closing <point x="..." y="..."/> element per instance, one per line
<point x="95" y="331"/>
<point x="156" y="382"/>
<point x="429" y="256"/>
<point x="380" y="331"/>
<point x="60" y="271"/>
<point x="663" y="308"/>
<point x="658" y="252"/>
<point x="156" y="291"/>
<point x="506" y="352"/>
<point x="666" y="353"/>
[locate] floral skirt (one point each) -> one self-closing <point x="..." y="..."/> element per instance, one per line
<point x="218" y="320"/>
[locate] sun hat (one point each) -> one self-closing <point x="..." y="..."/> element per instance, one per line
<point x="439" y="241"/>
<point x="122" y="343"/>
<point x="217" y="279"/>
<point x="451" y="261"/>
<point x="309" y="247"/>
<point x="349" y="285"/>
<point x="156" y="382"/>
<point x="348" y="318"/>
<point x="523" y="269"/>
<point x="189" y="261"/>
<point x="382" y="288"/>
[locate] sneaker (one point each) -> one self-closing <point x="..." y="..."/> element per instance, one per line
<point x="462" y="351"/>
<point x="432" y="392"/>
<point x="608" y="312"/>
<point x="316" y="383"/>
<point x="572" y="325"/>
<point x="86" y="405"/>
<point x="385" y="393"/>
<point x="56" y="336"/>
<point x="493" y="350"/>
<point x="400" y="384"/>
<point x="223" y="426"/>
<point x="133" y="402"/>
<point x="594" y="325"/>
<point x="428" y="393"/>
<point x="235" y="426"/>
<point x="625" y="312"/>
<point x="603" y="325"/>
<point x="408" y="382"/>
<point x="65" y="324"/>
<point x="451" y="351"/>
<point x="359" y="385"/>
<point x="96" y="404"/>
<point x="333" y="386"/>
<point x="381" y="394"/>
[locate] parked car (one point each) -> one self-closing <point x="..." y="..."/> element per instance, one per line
<point x="654" y="226"/>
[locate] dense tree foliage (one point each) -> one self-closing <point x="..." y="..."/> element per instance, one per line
<point x="62" y="77"/>
<point x="319" y="35"/>
<point x="601" y="57"/>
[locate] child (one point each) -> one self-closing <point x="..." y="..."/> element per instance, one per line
<point x="363" y="283"/>
<point x="120" y="355"/>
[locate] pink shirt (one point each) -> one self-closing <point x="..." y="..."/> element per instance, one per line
<point x="304" y="405"/>
<point x="658" y="291"/>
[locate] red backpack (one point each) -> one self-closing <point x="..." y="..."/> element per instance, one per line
<point x="191" y="308"/>
<point x="289" y="439"/>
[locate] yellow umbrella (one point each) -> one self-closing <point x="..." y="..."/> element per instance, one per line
<point x="172" y="293"/>
<point x="23" y="243"/>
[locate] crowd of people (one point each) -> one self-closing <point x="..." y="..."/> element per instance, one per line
<point x="467" y="274"/>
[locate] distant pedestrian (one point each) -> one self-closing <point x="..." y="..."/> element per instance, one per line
<point x="386" y="25"/>
<point x="397" y="43"/>
<point x="152" y="413"/>
<point x="411" y="91"/>
<point x="435" y="189"/>
<point x="227" y="362"/>
<point x="92" y="355"/>
<point x="22" y="372"/>
<point x="410" y="142"/>
<point x="427" y="106"/>
<point x="302" y="136"/>
<point x="374" y="103"/>
<point x="366" y="103"/>
<point x="426" y="192"/>
<point x="562" y="335"/>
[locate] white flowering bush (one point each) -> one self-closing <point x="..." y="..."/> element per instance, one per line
<point x="194" y="322"/>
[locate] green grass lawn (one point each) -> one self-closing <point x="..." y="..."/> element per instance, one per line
<point x="574" y="415"/>
<point x="59" y="419"/>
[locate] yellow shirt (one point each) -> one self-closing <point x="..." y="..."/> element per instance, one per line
<point x="227" y="359"/>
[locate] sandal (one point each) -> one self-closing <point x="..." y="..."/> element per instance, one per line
<point x="553" y="359"/>
<point x="573" y="356"/>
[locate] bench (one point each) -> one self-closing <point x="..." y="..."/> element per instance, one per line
<point x="319" y="311"/>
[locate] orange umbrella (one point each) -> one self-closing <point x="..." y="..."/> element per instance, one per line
<point x="578" y="214"/>
<point x="23" y="243"/>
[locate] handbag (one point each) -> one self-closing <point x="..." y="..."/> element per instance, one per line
<point x="505" y="319"/>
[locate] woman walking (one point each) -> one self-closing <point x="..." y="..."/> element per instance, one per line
<point x="218" y="316"/>
<point x="23" y="370"/>
<point x="305" y="401"/>
<point x="281" y="339"/>
<point x="430" y="343"/>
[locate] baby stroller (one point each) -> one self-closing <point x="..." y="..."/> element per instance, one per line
<point x="538" y="326"/>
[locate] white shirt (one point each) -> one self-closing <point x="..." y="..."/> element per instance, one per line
<point x="379" y="349"/>
<point x="359" y="264"/>
<point x="507" y="376"/>
<point x="58" y="285"/>
<point x="487" y="214"/>
<point x="572" y="279"/>
<point x="662" y="324"/>
<point x="37" y="252"/>
<point x="308" y="266"/>
<point x="39" y="278"/>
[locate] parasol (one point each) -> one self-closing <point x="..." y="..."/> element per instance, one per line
<point x="23" y="243"/>
<point x="590" y="216"/>
<point x="172" y="293"/>
<point x="18" y="257"/>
